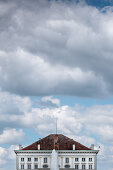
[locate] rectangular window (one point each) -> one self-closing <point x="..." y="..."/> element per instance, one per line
<point x="29" y="166"/>
<point x="22" y="159"/>
<point x="76" y="159"/>
<point x="90" y="167"/>
<point x="67" y="160"/>
<point x="36" y="159"/>
<point x="76" y="167"/>
<point x="36" y="166"/>
<point x="83" y="159"/>
<point x="90" y="159"/>
<point x="22" y="166"/>
<point x="45" y="160"/>
<point x="29" y="159"/>
<point x="83" y="167"/>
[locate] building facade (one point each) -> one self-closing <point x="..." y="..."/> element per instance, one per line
<point x="71" y="154"/>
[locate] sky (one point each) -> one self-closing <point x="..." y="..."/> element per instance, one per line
<point x="56" y="62"/>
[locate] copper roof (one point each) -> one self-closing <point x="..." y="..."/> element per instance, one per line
<point x="64" y="143"/>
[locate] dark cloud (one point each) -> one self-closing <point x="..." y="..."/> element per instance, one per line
<point x="55" y="48"/>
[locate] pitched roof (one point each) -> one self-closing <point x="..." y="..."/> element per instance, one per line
<point x="63" y="142"/>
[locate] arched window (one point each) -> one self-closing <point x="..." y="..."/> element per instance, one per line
<point x="45" y="166"/>
<point x="67" y="166"/>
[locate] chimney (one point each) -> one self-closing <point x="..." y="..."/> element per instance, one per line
<point x="56" y="145"/>
<point x="38" y="146"/>
<point x="92" y="147"/>
<point x="73" y="146"/>
<point x="20" y="147"/>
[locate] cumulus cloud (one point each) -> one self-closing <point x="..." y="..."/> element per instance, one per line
<point x="48" y="101"/>
<point x="96" y="120"/>
<point x="13" y="104"/>
<point x="11" y="136"/>
<point x="86" y="125"/>
<point x="56" y="48"/>
<point x="7" y="156"/>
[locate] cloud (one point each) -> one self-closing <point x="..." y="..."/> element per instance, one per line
<point x="86" y="125"/>
<point x="13" y="104"/>
<point x="7" y="156"/>
<point x="25" y="78"/>
<point x="11" y="136"/>
<point x="65" y="51"/>
<point x="95" y="120"/>
<point x="48" y="101"/>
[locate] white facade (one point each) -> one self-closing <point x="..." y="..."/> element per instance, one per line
<point x="69" y="159"/>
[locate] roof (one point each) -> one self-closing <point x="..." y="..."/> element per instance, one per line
<point x="49" y="143"/>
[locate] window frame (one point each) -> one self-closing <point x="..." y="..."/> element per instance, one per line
<point x="83" y="159"/>
<point x="67" y="160"/>
<point x="90" y="159"/>
<point x="83" y="166"/>
<point x="22" y="166"/>
<point x="45" y="159"/>
<point x="29" y="159"/>
<point x="35" y="166"/>
<point x="22" y="159"/>
<point x="76" y="159"/>
<point x="35" y="159"/>
<point x="91" y="166"/>
<point x="28" y="166"/>
<point x="77" y="166"/>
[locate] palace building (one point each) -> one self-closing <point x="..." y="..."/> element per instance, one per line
<point x="71" y="154"/>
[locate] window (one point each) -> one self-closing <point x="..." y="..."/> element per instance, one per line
<point x="67" y="160"/>
<point x="76" y="159"/>
<point x="22" y="166"/>
<point x="36" y="159"/>
<point x="90" y="159"/>
<point x="22" y="159"/>
<point x="45" y="160"/>
<point x="67" y="166"/>
<point x="36" y="166"/>
<point x="45" y="166"/>
<point x="76" y="166"/>
<point x="83" y="167"/>
<point x="83" y="159"/>
<point x="29" y="159"/>
<point x="29" y="166"/>
<point x="90" y="167"/>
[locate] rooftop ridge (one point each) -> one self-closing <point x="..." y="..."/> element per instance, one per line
<point x="64" y="142"/>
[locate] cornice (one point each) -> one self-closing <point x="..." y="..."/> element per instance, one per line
<point x="59" y="151"/>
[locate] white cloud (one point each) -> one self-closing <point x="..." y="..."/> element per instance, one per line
<point x="86" y="125"/>
<point x="11" y="136"/>
<point x="8" y="158"/>
<point x="13" y="104"/>
<point x="61" y="49"/>
<point x="54" y="101"/>
<point x="3" y="152"/>
<point x="7" y="154"/>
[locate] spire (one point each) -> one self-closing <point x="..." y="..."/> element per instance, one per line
<point x="56" y="126"/>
